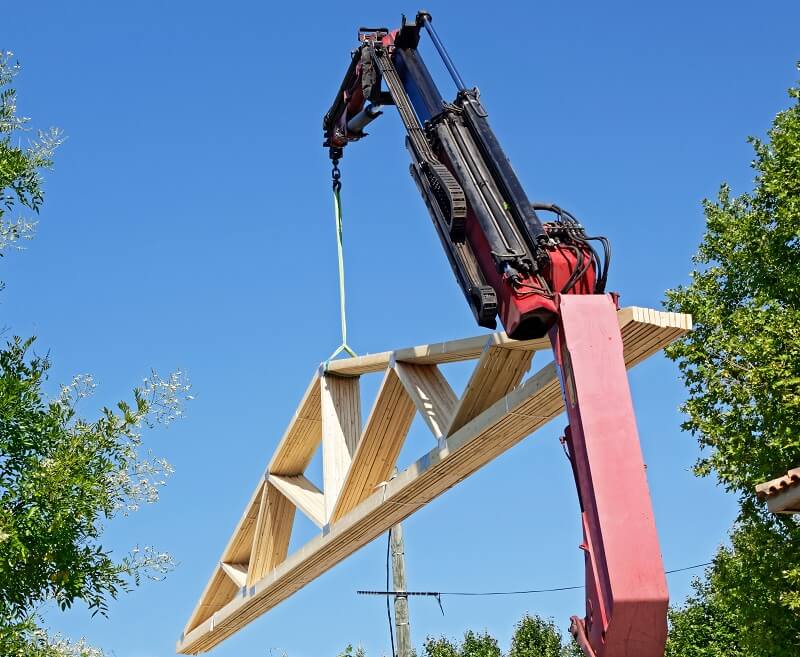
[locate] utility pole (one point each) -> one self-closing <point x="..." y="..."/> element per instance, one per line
<point x="401" y="621"/>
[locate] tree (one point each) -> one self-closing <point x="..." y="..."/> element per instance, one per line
<point x="536" y="637"/>
<point x="741" y="366"/>
<point x="704" y="626"/>
<point x="480" y="645"/>
<point x="440" y="647"/>
<point x="474" y="644"/>
<point x="62" y="477"/>
<point x="533" y="637"/>
<point x="349" y="651"/>
<point x="20" y="167"/>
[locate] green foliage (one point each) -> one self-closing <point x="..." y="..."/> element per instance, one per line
<point x="742" y="361"/>
<point x="533" y="637"/>
<point x="473" y="645"/>
<point x="705" y="626"/>
<point x="479" y="645"/>
<point x="20" y="167"/>
<point x="741" y="366"/>
<point x="25" y="639"/>
<point x="743" y="607"/>
<point x="440" y="647"/>
<point x="352" y="652"/>
<point x="61" y="477"/>
<point x="537" y="637"/>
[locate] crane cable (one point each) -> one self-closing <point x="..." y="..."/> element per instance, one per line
<point x="336" y="176"/>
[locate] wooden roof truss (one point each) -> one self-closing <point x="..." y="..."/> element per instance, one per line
<point x="360" y="498"/>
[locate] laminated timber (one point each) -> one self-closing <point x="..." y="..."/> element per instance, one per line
<point x="360" y="499"/>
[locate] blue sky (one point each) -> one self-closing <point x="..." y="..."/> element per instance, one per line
<point x="188" y="224"/>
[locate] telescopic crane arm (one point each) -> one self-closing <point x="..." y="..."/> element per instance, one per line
<point x="505" y="259"/>
<point x="541" y="278"/>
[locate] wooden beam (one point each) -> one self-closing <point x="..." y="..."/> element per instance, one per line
<point x="272" y="533"/>
<point x="431" y="394"/>
<point x="241" y="542"/>
<point x="219" y="591"/>
<point x="341" y="428"/>
<point x="236" y="571"/>
<point x="647" y="328"/>
<point x="237" y="550"/>
<point x="366" y="364"/>
<point x="302" y="436"/>
<point x="430" y="354"/>
<point x="499" y="427"/>
<point x="303" y="494"/>
<point x="472" y="348"/>
<point x="493" y="432"/>
<point x="498" y="372"/>
<point x="380" y="444"/>
<point x="464" y="349"/>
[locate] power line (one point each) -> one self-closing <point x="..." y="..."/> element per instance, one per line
<point x="439" y="594"/>
<point x="680" y="570"/>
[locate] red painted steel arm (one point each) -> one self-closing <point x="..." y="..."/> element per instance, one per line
<point x="626" y="590"/>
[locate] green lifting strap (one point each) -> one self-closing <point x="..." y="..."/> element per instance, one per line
<point x="337" y="209"/>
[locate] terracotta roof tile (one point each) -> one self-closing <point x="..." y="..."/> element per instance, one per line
<point x="780" y="493"/>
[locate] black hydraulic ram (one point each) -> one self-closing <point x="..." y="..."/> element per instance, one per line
<point x="499" y="250"/>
